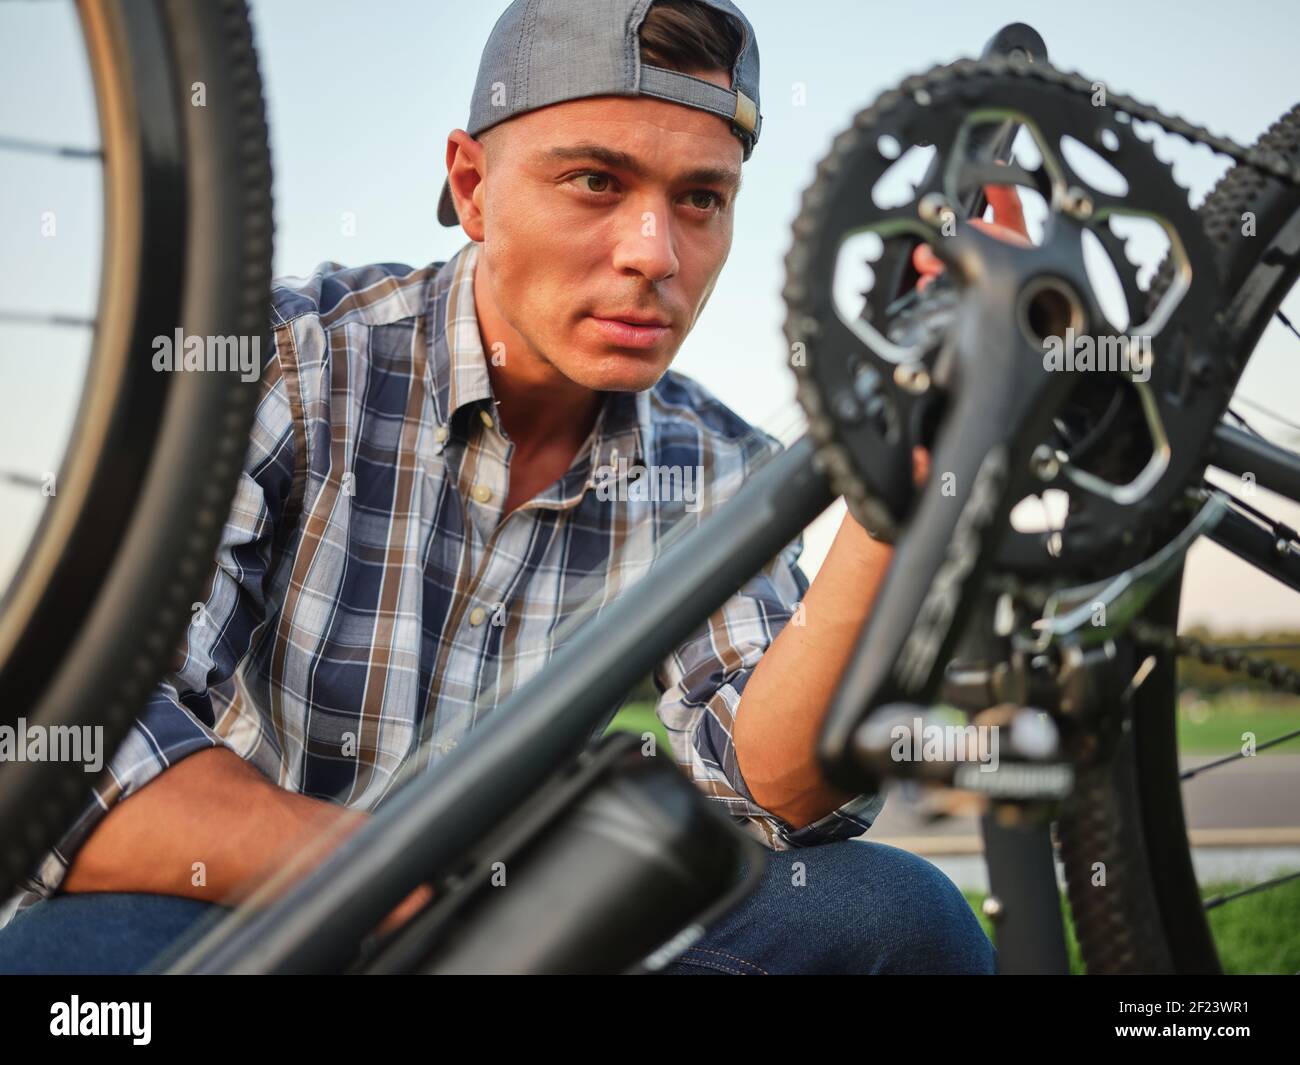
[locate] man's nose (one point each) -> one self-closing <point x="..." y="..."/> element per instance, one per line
<point x="646" y="245"/>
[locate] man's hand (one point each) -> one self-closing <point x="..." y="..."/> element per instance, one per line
<point x="213" y="812"/>
<point x="1008" y="224"/>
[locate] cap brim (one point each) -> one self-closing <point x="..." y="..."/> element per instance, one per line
<point x="447" y="207"/>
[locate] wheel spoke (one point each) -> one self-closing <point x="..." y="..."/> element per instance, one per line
<point x="1229" y="759"/>
<point x="37" y="318"/>
<point x="66" y="151"/>
<point x="1219" y="900"/>
<point x="1243" y="423"/>
<point x="25" y="480"/>
<point x="1267" y="412"/>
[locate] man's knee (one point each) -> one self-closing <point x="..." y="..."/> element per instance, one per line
<point x="857" y="907"/>
<point x="102" y="932"/>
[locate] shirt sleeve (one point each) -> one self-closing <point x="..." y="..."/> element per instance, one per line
<point x="701" y="685"/>
<point x="178" y="719"/>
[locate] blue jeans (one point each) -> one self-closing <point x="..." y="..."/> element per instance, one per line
<point x="850" y="907"/>
<point x="844" y="908"/>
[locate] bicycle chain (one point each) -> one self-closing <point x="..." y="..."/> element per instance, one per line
<point x="1273" y="164"/>
<point x="1159" y="637"/>
<point x="1274" y="674"/>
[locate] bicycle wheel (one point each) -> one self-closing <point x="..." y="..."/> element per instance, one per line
<point x="1127" y="814"/>
<point x="124" y="546"/>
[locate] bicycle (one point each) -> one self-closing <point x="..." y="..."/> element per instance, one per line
<point x="974" y="613"/>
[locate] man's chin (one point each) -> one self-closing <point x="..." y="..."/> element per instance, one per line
<point x="629" y="373"/>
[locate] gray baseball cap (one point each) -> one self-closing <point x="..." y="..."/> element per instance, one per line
<point x="543" y="52"/>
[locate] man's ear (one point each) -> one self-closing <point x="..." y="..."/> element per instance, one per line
<point x="465" y="171"/>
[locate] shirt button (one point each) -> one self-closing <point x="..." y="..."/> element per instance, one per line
<point x="487" y="418"/>
<point x="442" y="434"/>
<point x="477" y="615"/>
<point x="481" y="492"/>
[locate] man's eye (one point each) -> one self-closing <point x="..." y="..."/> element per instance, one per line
<point x="712" y="200"/>
<point x="602" y="181"/>
<point x="597" y="182"/>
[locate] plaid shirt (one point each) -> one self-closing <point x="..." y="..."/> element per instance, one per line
<point x="369" y="604"/>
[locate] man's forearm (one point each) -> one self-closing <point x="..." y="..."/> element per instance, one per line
<point x="786" y="699"/>
<point x="211" y="808"/>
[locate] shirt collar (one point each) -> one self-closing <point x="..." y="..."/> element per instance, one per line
<point x="456" y="372"/>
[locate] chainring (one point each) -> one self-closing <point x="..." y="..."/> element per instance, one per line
<point x="1125" y="450"/>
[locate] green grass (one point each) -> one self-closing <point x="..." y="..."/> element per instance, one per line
<point x="1257" y="933"/>
<point x="1253" y="934"/>
<point x="1215" y="726"/>
<point x="641" y="718"/>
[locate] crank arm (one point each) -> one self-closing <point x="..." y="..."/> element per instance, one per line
<point x="979" y="467"/>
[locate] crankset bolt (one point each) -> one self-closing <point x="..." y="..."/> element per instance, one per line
<point x="1004" y="615"/>
<point x="1034" y="734"/>
<point x="1077" y="203"/>
<point x="934" y="208"/>
<point x="846" y="407"/>
<point x="1044" y="463"/>
<point x="878" y="414"/>
<point x="912" y="377"/>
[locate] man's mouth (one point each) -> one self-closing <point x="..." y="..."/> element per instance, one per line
<point x="638" y="332"/>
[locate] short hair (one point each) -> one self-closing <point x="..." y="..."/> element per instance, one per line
<point x="686" y="36"/>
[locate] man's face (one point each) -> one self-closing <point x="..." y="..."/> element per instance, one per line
<point x="599" y="211"/>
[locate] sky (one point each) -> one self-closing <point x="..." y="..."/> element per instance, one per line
<point x="361" y="97"/>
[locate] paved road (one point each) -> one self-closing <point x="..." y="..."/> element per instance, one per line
<point x="1252" y="793"/>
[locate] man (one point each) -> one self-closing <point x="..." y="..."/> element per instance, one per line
<point x="419" y="511"/>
